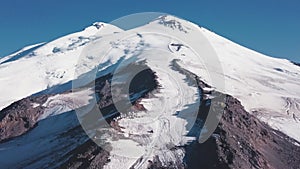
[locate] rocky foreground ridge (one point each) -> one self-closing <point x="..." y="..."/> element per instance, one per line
<point x="239" y="141"/>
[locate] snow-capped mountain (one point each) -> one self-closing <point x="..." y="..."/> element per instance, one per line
<point x="189" y="76"/>
<point x="47" y="65"/>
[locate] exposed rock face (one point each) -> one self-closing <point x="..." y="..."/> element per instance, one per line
<point x="87" y="155"/>
<point x="157" y="164"/>
<point x="246" y="142"/>
<point x="20" y="117"/>
<point x="242" y="141"/>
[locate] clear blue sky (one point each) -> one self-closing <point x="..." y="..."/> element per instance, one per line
<point x="268" y="26"/>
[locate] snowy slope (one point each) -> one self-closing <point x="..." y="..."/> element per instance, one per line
<point x="264" y="85"/>
<point x="52" y="64"/>
<point x="57" y="133"/>
<point x="175" y="96"/>
<point x="21" y="53"/>
<point x="267" y="87"/>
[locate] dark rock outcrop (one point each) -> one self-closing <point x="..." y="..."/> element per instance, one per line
<point x="239" y="141"/>
<point x="242" y="141"/>
<point x="252" y="144"/>
<point x="20" y="117"/>
<point x="88" y="155"/>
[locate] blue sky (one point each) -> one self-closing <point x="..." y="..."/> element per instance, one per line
<point x="268" y="26"/>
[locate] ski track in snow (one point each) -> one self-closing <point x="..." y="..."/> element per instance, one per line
<point x="174" y="95"/>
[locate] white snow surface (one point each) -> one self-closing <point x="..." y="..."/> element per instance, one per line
<point x="175" y="96"/>
<point x="62" y="103"/>
<point x="43" y="146"/>
<point x="3" y="59"/>
<point x="267" y="87"/>
<point x="53" y="64"/>
<point x="263" y="84"/>
<point x="48" y="140"/>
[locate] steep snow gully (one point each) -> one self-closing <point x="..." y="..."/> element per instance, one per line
<point x="168" y="94"/>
